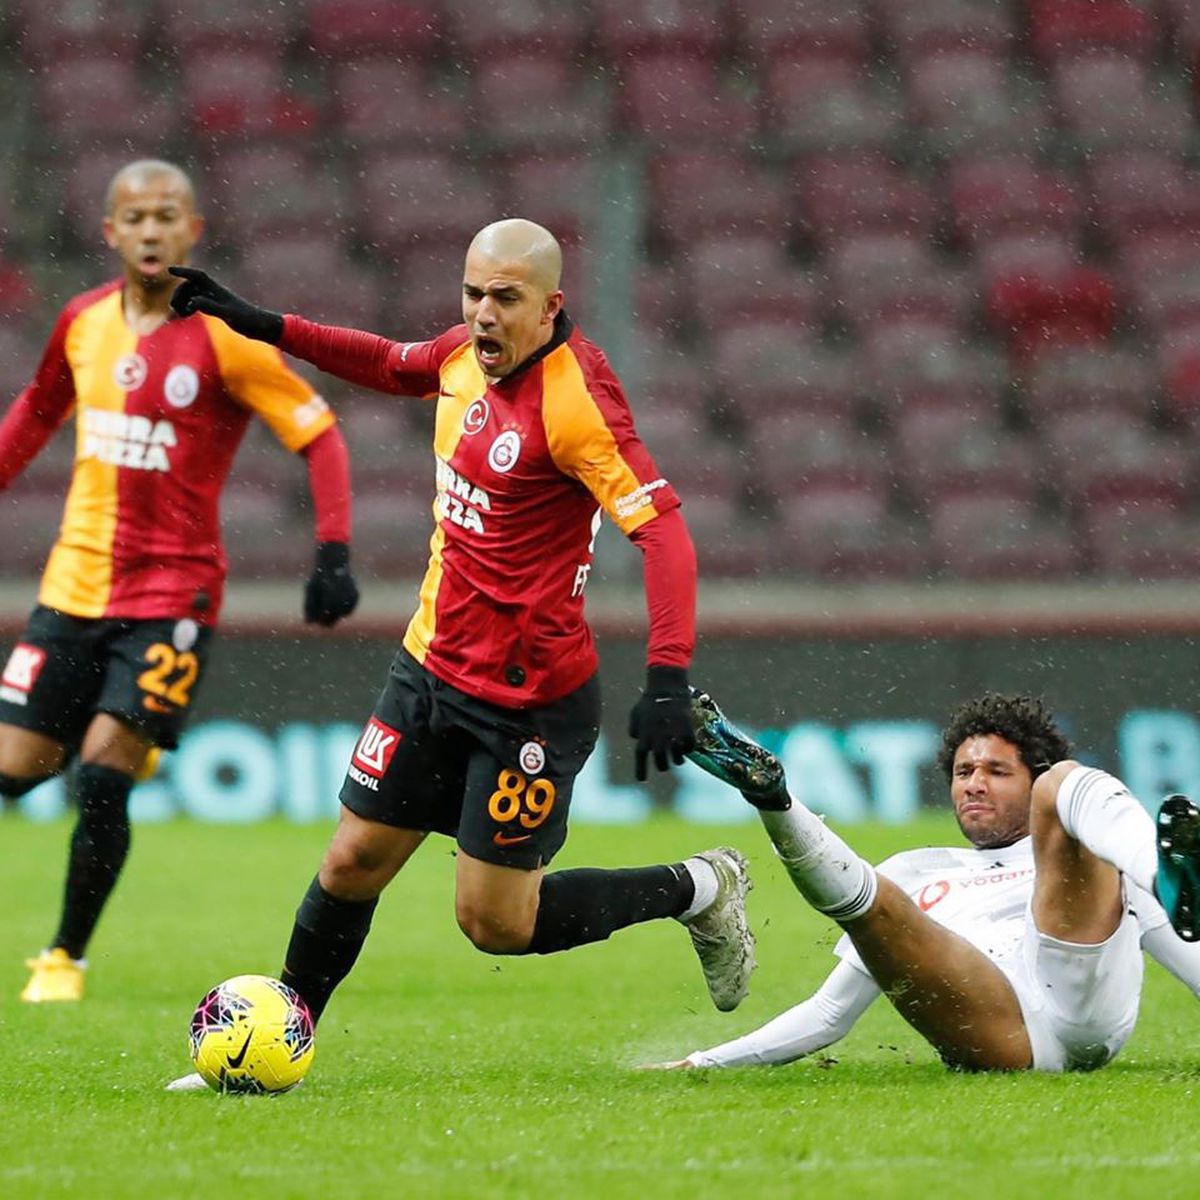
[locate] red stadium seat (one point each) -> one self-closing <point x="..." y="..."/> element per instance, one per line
<point x="275" y="190"/>
<point x="626" y="29"/>
<point x="1089" y="379"/>
<point x="381" y="101"/>
<point x="964" y="99"/>
<point x="20" y="353"/>
<point x="704" y="195"/>
<point x="386" y="451"/>
<point x="424" y="289"/>
<point x="293" y="274"/>
<point x="220" y="24"/>
<point x="729" y="541"/>
<point x="256" y="522"/>
<point x="483" y="28"/>
<point x="911" y="29"/>
<point x="410" y="199"/>
<point x="1065" y="28"/>
<point x="816" y="30"/>
<point x="989" y="536"/>
<point x="560" y="191"/>
<point x="369" y="28"/>
<point x="538" y="101"/>
<point x="1179" y="361"/>
<point x="950" y="450"/>
<point x="920" y="359"/>
<point x="992" y="196"/>
<point x="844" y="531"/>
<point x="1108" y="102"/>
<point x="806" y="448"/>
<point x="708" y="467"/>
<point x="1039" y="296"/>
<point x="671" y="99"/>
<point x="84" y="189"/>
<point x="90" y="100"/>
<point x="1161" y="277"/>
<point x="1142" y="539"/>
<point x="1112" y="455"/>
<point x="52" y="30"/>
<point x="1143" y="192"/>
<point x="242" y="92"/>
<point x="743" y="280"/>
<point x="761" y="371"/>
<point x="885" y="275"/>
<point x="815" y="105"/>
<point x="855" y="195"/>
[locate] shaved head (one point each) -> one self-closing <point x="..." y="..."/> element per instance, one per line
<point x="137" y="175"/>
<point x="516" y="240"/>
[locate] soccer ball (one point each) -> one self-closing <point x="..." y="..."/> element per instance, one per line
<point x="252" y="1034"/>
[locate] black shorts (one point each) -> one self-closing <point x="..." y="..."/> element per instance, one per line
<point x="66" y="669"/>
<point x="500" y="779"/>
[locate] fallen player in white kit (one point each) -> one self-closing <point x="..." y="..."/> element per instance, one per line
<point x="1023" y="952"/>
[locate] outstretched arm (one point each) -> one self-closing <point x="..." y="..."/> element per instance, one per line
<point x="403" y="368"/>
<point x="824" y="1018"/>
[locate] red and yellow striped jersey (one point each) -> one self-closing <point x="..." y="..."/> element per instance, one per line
<point x="525" y="466"/>
<point x="158" y="420"/>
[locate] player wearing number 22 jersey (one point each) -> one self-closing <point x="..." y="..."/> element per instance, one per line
<point x="108" y="666"/>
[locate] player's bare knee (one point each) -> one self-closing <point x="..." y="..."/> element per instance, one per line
<point x="493" y="932"/>
<point x="1044" y="795"/>
<point x="354" y="869"/>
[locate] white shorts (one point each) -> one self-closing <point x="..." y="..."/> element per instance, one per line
<point x="1080" y="1003"/>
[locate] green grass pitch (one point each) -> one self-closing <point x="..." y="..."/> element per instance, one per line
<point x="441" y="1072"/>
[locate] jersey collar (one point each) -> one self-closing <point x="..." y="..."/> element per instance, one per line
<point x="564" y="326"/>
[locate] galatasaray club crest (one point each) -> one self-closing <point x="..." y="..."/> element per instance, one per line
<point x="505" y="451"/>
<point x="181" y="386"/>
<point x="532" y="758"/>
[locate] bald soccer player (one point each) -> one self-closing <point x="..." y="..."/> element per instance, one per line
<point x="492" y="705"/>
<point x="108" y="666"/>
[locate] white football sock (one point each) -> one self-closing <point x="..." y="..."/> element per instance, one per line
<point x="1097" y="810"/>
<point x="704" y="877"/>
<point x="827" y="873"/>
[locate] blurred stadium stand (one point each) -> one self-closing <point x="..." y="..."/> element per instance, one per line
<point x="898" y="289"/>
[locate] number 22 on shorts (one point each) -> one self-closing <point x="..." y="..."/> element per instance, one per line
<point x="516" y="796"/>
<point x="160" y="688"/>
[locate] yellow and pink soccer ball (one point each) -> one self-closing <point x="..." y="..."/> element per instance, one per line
<point x="252" y="1034"/>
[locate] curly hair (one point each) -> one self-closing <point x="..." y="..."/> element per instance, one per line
<point x="1023" y="720"/>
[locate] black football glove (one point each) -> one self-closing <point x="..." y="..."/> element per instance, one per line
<point x="200" y="293"/>
<point x="662" y="720"/>
<point x="331" y="592"/>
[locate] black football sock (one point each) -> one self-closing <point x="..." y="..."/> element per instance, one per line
<point x="326" y="939"/>
<point x="588" y="904"/>
<point x="99" y="846"/>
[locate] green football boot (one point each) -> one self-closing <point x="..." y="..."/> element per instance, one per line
<point x="725" y="752"/>
<point x="1177" y="884"/>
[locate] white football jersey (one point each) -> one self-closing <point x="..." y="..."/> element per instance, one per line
<point x="982" y="895"/>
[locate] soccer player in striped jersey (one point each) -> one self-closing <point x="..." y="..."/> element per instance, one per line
<point x="1021" y="952"/>
<point x="491" y="706"/>
<point x="108" y="666"/>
